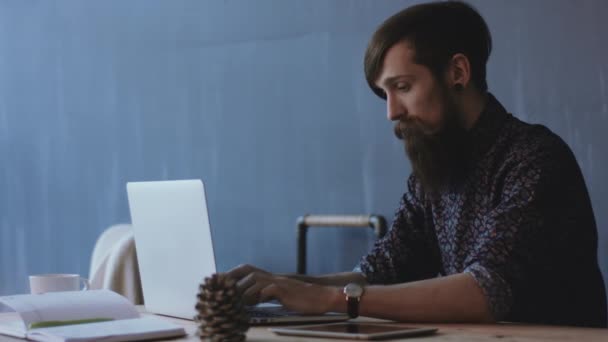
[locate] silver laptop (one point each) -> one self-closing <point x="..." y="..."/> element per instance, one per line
<point x="175" y="251"/>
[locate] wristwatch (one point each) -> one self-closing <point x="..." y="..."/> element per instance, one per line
<point x="353" y="293"/>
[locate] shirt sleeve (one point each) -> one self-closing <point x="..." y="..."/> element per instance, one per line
<point x="405" y="253"/>
<point x="514" y="238"/>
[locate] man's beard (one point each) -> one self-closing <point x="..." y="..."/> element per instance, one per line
<point x="439" y="159"/>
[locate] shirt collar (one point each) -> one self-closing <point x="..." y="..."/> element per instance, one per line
<point x="484" y="132"/>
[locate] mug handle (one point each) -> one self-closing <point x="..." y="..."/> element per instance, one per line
<point x="86" y="284"/>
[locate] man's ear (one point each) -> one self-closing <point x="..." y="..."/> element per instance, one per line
<point x="459" y="71"/>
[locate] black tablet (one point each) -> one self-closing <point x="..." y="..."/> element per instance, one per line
<point x="355" y="330"/>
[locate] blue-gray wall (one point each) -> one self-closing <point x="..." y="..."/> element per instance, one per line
<point x="265" y="100"/>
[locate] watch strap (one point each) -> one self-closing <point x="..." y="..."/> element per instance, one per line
<point x="352" y="306"/>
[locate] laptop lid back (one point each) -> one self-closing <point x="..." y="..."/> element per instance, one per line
<point x="173" y="241"/>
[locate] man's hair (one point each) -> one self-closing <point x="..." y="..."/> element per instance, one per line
<point x="437" y="31"/>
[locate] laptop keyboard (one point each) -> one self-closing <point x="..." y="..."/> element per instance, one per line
<point x="262" y="314"/>
<point x="269" y="312"/>
<point x="274" y="314"/>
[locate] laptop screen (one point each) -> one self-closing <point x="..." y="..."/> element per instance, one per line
<point x="173" y="242"/>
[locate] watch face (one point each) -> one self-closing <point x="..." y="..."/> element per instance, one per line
<point x="353" y="290"/>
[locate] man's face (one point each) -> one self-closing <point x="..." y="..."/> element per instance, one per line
<point x="412" y="92"/>
<point x="425" y="117"/>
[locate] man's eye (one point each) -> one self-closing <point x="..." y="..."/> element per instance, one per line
<point x="402" y="86"/>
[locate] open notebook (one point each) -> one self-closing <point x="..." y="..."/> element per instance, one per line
<point x="82" y="316"/>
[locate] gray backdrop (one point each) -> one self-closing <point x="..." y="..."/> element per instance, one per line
<point x="265" y="100"/>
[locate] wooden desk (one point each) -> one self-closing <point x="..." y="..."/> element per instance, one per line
<point x="447" y="332"/>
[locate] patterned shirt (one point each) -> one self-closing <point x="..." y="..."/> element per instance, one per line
<point x="521" y="224"/>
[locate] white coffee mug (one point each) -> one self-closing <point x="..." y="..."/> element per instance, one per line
<point x="42" y="283"/>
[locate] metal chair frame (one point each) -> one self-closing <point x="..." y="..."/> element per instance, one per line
<point x="376" y="222"/>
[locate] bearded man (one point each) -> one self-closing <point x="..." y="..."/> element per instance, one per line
<point x="495" y="223"/>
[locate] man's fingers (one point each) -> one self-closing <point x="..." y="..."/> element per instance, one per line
<point x="269" y="292"/>
<point x="244" y="270"/>
<point x="245" y="283"/>
<point x="251" y="285"/>
<point x="252" y="295"/>
<point x="240" y="271"/>
<point x="250" y="280"/>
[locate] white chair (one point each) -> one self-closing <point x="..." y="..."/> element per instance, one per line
<point x="114" y="263"/>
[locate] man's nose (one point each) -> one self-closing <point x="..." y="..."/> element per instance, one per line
<point x="394" y="110"/>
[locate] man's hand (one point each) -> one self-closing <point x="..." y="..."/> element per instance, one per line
<point x="250" y="281"/>
<point x="258" y="285"/>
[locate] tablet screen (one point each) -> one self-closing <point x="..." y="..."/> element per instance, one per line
<point x="356" y="328"/>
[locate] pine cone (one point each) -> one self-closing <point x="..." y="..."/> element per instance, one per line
<point x="221" y="313"/>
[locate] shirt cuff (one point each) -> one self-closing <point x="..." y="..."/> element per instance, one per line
<point x="495" y="288"/>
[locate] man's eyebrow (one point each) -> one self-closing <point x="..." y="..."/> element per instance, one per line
<point x="392" y="79"/>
